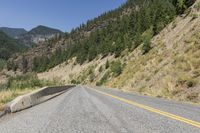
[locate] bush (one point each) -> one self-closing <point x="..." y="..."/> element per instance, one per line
<point x="3" y="86"/>
<point x="103" y="79"/>
<point x="73" y="81"/>
<point x="98" y="84"/>
<point x="2" y="64"/>
<point x="24" y="81"/>
<point x="91" y="76"/>
<point x="107" y="64"/>
<point x="197" y="6"/>
<point x="100" y="69"/>
<point x="194" y="16"/>
<point x="147" y="36"/>
<point x="116" y="68"/>
<point x="191" y="83"/>
<point x="11" y="66"/>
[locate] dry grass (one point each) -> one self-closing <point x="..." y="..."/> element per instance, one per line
<point x="171" y="69"/>
<point x="67" y="72"/>
<point x="9" y="95"/>
<point x="22" y="84"/>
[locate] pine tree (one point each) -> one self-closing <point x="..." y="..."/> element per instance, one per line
<point x="147" y="36"/>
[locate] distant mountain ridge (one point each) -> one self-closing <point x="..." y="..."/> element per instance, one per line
<point x="14" y="40"/>
<point x="38" y="34"/>
<point x="32" y="37"/>
<point x="43" y="30"/>
<point x="13" y="32"/>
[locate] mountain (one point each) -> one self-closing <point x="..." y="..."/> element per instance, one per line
<point x="32" y="37"/>
<point x="8" y="46"/>
<point x="13" y="32"/>
<point x="43" y="30"/>
<point x="146" y="46"/>
<point x="37" y="35"/>
<point x="124" y="28"/>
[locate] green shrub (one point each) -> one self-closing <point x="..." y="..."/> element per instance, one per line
<point x="174" y="24"/>
<point x="2" y="64"/>
<point x="3" y="86"/>
<point x="147" y="36"/>
<point x="98" y="84"/>
<point x="103" y="79"/>
<point x="23" y="82"/>
<point x="197" y="6"/>
<point x="194" y="16"/>
<point x="73" y="81"/>
<point x="91" y="75"/>
<point x="191" y="83"/>
<point x="27" y="81"/>
<point x="11" y="65"/>
<point x="100" y="69"/>
<point x="116" y="68"/>
<point x="107" y="64"/>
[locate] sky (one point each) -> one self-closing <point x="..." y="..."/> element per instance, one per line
<point x="60" y="14"/>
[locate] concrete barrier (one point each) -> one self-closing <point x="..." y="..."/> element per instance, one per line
<point x="34" y="98"/>
<point x="2" y="113"/>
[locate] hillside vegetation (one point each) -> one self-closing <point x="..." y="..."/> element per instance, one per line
<point x="13" y="32"/>
<point x="110" y="33"/>
<point x="169" y="69"/>
<point x="8" y="47"/>
<point x="146" y="46"/>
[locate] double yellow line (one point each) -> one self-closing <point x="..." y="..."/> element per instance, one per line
<point x="166" y="114"/>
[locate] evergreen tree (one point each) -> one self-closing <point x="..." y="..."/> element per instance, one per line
<point x="147" y="40"/>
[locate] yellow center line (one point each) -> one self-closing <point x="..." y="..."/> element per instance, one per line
<point x="166" y="114"/>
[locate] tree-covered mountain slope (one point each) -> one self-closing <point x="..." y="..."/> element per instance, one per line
<point x="13" y="32"/>
<point x="8" y="46"/>
<point x="111" y="33"/>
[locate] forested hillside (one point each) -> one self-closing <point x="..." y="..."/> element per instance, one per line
<point x="13" y="32"/>
<point x="125" y="28"/>
<point x="170" y="69"/>
<point x="8" y="46"/>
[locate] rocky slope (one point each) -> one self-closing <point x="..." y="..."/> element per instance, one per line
<point x="37" y="35"/>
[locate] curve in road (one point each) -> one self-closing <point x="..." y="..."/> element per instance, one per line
<point x="104" y="110"/>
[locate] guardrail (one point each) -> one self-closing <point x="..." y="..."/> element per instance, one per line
<point x="34" y="98"/>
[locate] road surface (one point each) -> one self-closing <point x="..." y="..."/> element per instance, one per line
<point x="88" y="110"/>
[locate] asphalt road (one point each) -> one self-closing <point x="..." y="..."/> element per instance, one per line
<point x="85" y="110"/>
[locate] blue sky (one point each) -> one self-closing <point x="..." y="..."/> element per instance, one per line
<point x="61" y="14"/>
